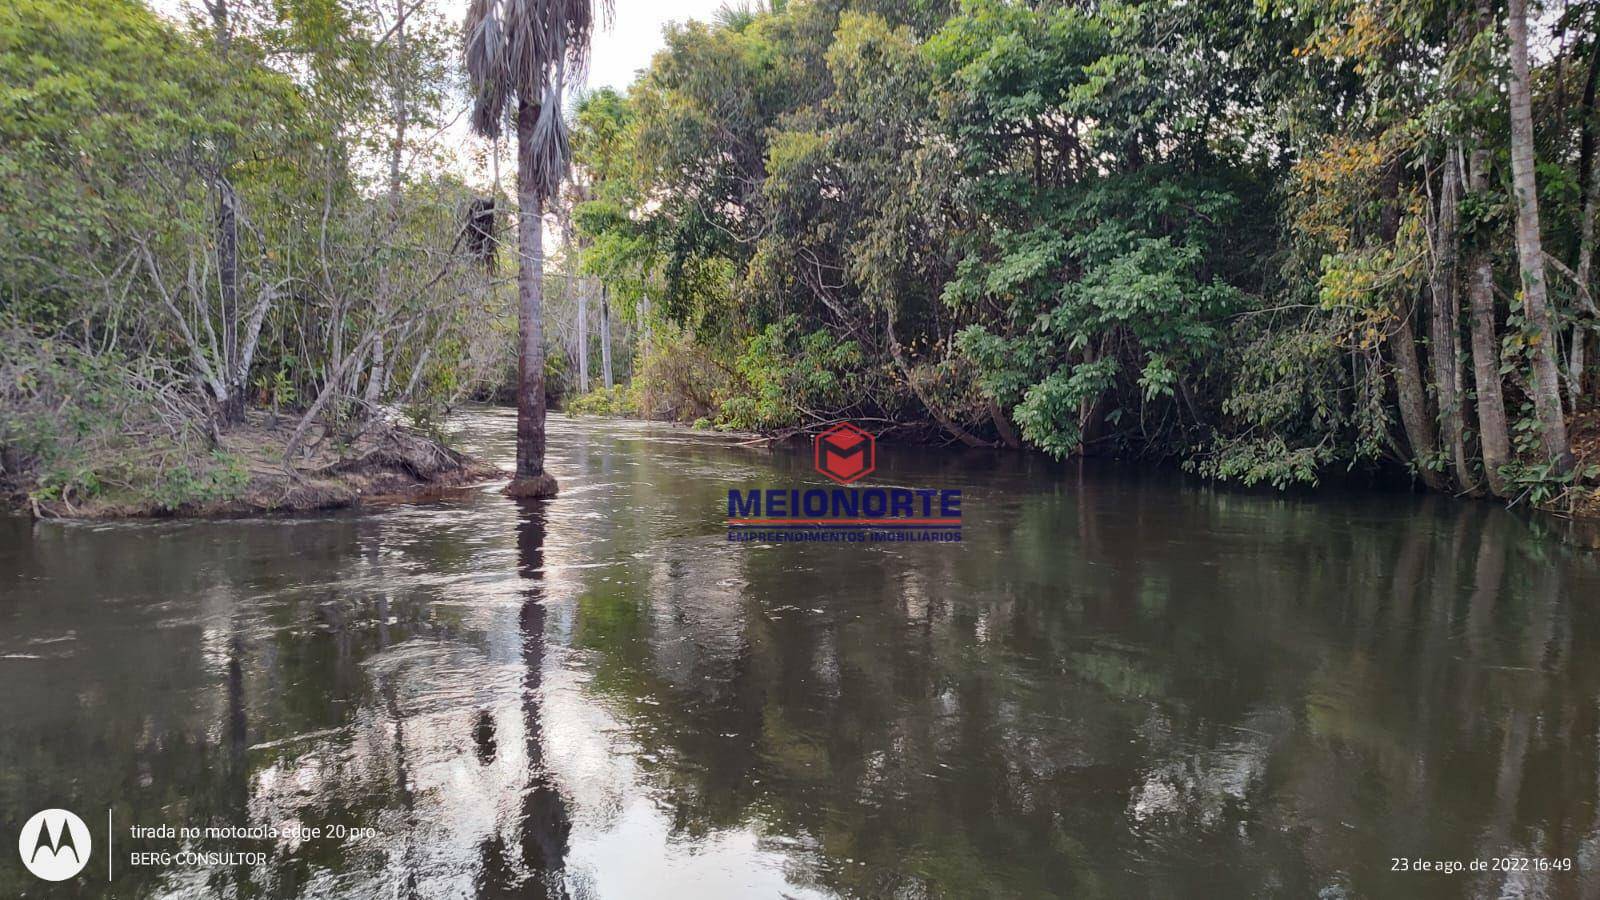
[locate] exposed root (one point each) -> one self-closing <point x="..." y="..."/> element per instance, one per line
<point x="538" y="487"/>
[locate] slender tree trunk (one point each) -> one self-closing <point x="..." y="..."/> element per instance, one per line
<point x="1409" y="387"/>
<point x="378" y="377"/>
<point x="1003" y="426"/>
<point x="948" y="424"/>
<point x="1492" y="431"/>
<point x="1588" y="199"/>
<point x="644" y="322"/>
<point x="605" y="335"/>
<point x="1446" y="324"/>
<point x="1546" y="376"/>
<point x="1588" y="177"/>
<point x="531" y="479"/>
<point x="232" y="406"/>
<point x="1413" y="401"/>
<point x="583" y="335"/>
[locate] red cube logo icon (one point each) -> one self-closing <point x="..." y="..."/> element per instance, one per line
<point x="845" y="453"/>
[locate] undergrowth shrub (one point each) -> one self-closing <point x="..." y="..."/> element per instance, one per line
<point x="77" y="426"/>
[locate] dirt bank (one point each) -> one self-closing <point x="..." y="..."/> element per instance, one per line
<point x="377" y="463"/>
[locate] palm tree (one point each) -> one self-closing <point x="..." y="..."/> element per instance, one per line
<point x="518" y="53"/>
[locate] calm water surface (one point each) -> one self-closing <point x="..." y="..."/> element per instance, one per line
<point x="1121" y="684"/>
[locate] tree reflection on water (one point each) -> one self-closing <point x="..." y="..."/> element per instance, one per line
<point x="1117" y="685"/>
<point x="543" y="825"/>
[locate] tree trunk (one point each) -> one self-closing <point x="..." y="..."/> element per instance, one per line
<point x="1003" y="426"/>
<point x="232" y="407"/>
<point x="583" y="335"/>
<point x="1530" y="252"/>
<point x="1580" y="336"/>
<point x="928" y="403"/>
<point x="1446" y="323"/>
<point x="1492" y="431"/>
<point x="531" y="480"/>
<point x="1409" y="387"/>
<point x="1588" y="182"/>
<point x="605" y="335"/>
<point x="378" y="377"/>
<point x="1588" y="198"/>
<point x="644" y="322"/>
<point x="1413" y="401"/>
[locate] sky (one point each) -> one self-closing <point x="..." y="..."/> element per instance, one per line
<point x="618" y="52"/>
<point x="620" y="48"/>
<point x="635" y="35"/>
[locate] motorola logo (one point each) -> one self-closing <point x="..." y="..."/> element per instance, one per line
<point x="54" y="845"/>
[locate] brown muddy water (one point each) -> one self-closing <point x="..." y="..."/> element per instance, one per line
<point x="1120" y="684"/>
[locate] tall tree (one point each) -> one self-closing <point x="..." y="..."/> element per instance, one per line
<point x="230" y="408"/>
<point x="583" y="334"/>
<point x="518" y="53"/>
<point x="1408" y="381"/>
<point x="1442" y="336"/>
<point x="1530" y="252"/>
<point x="1493" y="432"/>
<point x="379" y="376"/>
<point x="605" y="336"/>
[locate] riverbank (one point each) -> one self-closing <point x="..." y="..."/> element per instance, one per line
<point x="1575" y="507"/>
<point x="247" y="474"/>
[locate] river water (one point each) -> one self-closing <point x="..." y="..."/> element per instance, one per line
<point x="1120" y="683"/>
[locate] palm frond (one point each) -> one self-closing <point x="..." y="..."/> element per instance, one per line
<point x="545" y="156"/>
<point x="519" y="54"/>
<point x="485" y="62"/>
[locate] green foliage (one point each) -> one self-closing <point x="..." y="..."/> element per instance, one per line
<point x="1539" y="484"/>
<point x="222" y="476"/>
<point x="784" y="376"/>
<point x="618" y="400"/>
<point x="76" y="427"/>
<point x="680" y="379"/>
<point x="1152" y="227"/>
<point x="121" y="133"/>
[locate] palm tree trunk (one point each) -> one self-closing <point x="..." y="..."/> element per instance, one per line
<point x="1530" y="252"/>
<point x="1492" y="430"/>
<point x="531" y="479"/>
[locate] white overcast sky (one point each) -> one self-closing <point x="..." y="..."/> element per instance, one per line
<point x="635" y="36"/>
<point x="619" y="51"/>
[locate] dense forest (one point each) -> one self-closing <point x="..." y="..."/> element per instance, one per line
<point x="1272" y="241"/>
